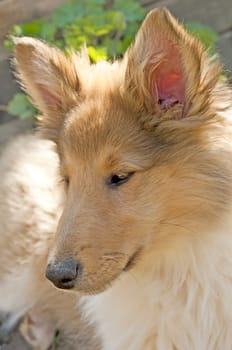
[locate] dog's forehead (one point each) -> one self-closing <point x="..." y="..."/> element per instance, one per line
<point x="105" y="127"/>
<point x="98" y="121"/>
<point x="105" y="119"/>
<point x="102" y="105"/>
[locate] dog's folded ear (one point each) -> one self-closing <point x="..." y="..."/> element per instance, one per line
<point x="167" y="68"/>
<point x="50" y="78"/>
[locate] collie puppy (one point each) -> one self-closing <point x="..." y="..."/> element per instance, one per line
<point x="144" y="229"/>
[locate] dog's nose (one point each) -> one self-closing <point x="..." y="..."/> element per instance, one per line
<point x="63" y="273"/>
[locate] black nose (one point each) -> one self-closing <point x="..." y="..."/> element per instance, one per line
<point x="63" y="273"/>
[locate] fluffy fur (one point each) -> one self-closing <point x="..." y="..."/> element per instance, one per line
<point x="156" y="251"/>
<point x="31" y="198"/>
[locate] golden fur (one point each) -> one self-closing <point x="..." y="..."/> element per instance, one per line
<point x="159" y="246"/>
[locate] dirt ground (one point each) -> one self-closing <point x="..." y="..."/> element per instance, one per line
<point x="79" y="341"/>
<point x="15" y="341"/>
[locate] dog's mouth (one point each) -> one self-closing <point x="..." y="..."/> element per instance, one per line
<point x="93" y="289"/>
<point x="132" y="260"/>
<point x="129" y="265"/>
<point x="103" y="287"/>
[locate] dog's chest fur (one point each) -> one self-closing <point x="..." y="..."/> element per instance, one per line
<point x="188" y="308"/>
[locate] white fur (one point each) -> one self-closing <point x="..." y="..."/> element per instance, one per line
<point x="184" y="304"/>
<point x="17" y="294"/>
<point x="28" y="191"/>
<point x="17" y="291"/>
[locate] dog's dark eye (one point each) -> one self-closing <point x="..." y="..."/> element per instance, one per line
<point x="66" y="181"/>
<point x="119" y="179"/>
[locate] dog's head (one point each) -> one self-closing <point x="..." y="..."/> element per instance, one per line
<point x="136" y="148"/>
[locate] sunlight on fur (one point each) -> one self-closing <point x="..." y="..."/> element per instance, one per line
<point x="139" y="230"/>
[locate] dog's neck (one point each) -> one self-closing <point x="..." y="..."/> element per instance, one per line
<point x="192" y="275"/>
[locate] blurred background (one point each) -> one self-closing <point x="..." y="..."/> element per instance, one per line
<point x="108" y="26"/>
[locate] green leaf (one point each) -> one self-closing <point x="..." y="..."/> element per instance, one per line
<point x="107" y="27"/>
<point x="94" y="7"/>
<point x="117" y="20"/>
<point x="131" y="9"/>
<point x="32" y="28"/>
<point x="17" y="30"/>
<point x="8" y="44"/>
<point x="47" y="30"/>
<point x="97" y="54"/>
<point x="205" y="34"/>
<point x="68" y="13"/>
<point x="21" y="107"/>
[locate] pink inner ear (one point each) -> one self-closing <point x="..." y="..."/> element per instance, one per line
<point x="50" y="99"/>
<point x="168" y="79"/>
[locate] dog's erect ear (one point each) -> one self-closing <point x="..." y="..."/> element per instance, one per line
<point x="166" y="66"/>
<point x="50" y="78"/>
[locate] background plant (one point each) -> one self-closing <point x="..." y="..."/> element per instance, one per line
<point x="105" y="27"/>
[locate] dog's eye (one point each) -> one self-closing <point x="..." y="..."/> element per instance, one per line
<point x="119" y="179"/>
<point x="66" y="180"/>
